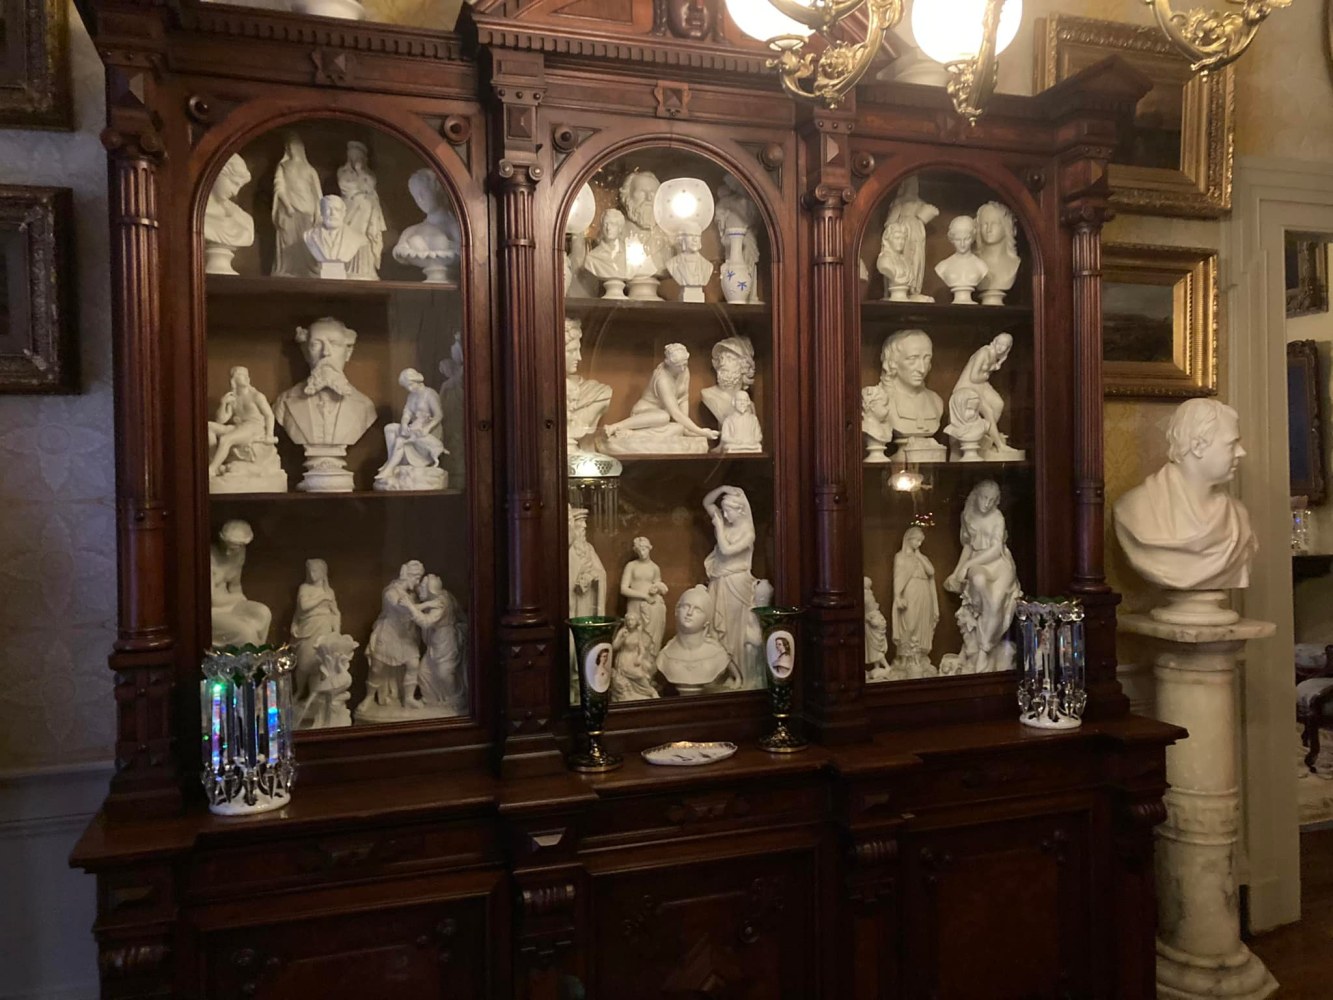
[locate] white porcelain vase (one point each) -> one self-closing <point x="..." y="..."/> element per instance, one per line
<point x="737" y="277"/>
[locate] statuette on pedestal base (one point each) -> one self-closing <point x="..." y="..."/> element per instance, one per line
<point x="416" y="442"/>
<point x="243" y="454"/>
<point x="659" y="424"/>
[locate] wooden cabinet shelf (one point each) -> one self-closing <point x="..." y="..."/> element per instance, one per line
<point x="926" y="315"/>
<point x="298" y="496"/>
<point x="251" y="286"/>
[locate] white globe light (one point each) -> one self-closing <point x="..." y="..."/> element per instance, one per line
<point x="684" y="204"/>
<point x="950" y="30"/>
<point x="760" y="19"/>
<point x="581" y="212"/>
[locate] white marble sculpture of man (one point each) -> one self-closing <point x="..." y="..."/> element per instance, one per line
<point x="997" y="246"/>
<point x="431" y="244"/>
<point x="227" y="226"/>
<point x="325" y="413"/>
<point x="414" y="444"/>
<point x="916" y="607"/>
<point x="442" y="678"/>
<point x="324" y="705"/>
<point x="296" y="195"/>
<point x="394" y="651"/>
<point x="586" y="399"/>
<point x="735" y="215"/>
<point x="731" y="583"/>
<point x="333" y="244"/>
<point x="316" y="616"/>
<point x="741" y="431"/>
<point x="658" y="422"/>
<point x="359" y="189"/>
<point x="900" y="407"/>
<point x="637" y="193"/>
<point x="237" y="621"/>
<point x="609" y="259"/>
<point x="894" y="261"/>
<point x="877" y="637"/>
<point x="644" y="592"/>
<point x="1180" y="528"/>
<point x="963" y="270"/>
<point x="244" y="456"/>
<point x="693" y="660"/>
<point x="587" y="575"/>
<point x="909" y="209"/>
<point x="734" y="368"/>
<point x="688" y="267"/>
<point x="986" y="579"/>
<point x="976" y="377"/>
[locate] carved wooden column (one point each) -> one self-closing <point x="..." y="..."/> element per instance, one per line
<point x="833" y="703"/>
<point x="143" y="657"/>
<point x="1084" y="215"/>
<point x="529" y="639"/>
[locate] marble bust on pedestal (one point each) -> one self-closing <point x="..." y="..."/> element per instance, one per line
<point x="227" y="226"/>
<point x="997" y="246"/>
<point x="1179" y="527"/>
<point x="964" y="270"/>
<point x="334" y="244"/>
<point x="693" y="659"/>
<point x="900" y="407"/>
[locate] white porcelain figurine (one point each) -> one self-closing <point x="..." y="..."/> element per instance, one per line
<point x="453" y="399"/>
<point x="877" y="637"/>
<point x="325" y="413"/>
<point x="963" y="270"/>
<point x="638" y="192"/>
<point x="690" y="269"/>
<point x="997" y="246"/>
<point x="966" y="425"/>
<point x="1180" y="528"/>
<point x="324" y="704"/>
<point x="414" y="444"/>
<point x="587" y="575"/>
<point x="442" y="678"/>
<point x="644" y="592"/>
<point x="741" y="432"/>
<point x="586" y="399"/>
<point x="987" y="581"/>
<point x="731" y="584"/>
<point x="616" y="258"/>
<point x="895" y="262"/>
<point x="237" y="621"/>
<point x="296" y="195"/>
<point x="359" y="189"/>
<point x="900" y="408"/>
<point x="243" y="454"/>
<point x="736" y="218"/>
<point x="693" y="660"/>
<point x="317" y="615"/>
<point x="909" y="209"/>
<point x="635" y="658"/>
<point x="916" y="608"/>
<point x="683" y="209"/>
<point x="227" y="226"/>
<point x="659" y="422"/>
<point x="734" y="369"/>
<point x="333" y="244"/>
<point x="976" y="377"/>
<point x="431" y="244"/>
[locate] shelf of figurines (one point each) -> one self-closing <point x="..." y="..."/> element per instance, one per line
<point x="934" y="314"/>
<point x="251" y="286"/>
<point x="301" y="496"/>
<point x="583" y="309"/>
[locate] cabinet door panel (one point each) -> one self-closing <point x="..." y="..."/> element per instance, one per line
<point x="742" y="928"/>
<point x="424" y="952"/>
<point x="999" y="910"/>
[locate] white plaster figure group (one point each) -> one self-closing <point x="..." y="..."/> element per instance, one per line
<point x="729" y="400"/>
<point x="236" y="620"/>
<point x="405" y="680"/>
<point x="1180" y="528"/>
<point x="322" y="683"/>
<point x="985" y="256"/>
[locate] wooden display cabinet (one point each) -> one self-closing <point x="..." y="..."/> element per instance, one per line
<point x="924" y="845"/>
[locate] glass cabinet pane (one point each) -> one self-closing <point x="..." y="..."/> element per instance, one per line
<point x="669" y="421"/>
<point x="335" y="440"/>
<point x="948" y="404"/>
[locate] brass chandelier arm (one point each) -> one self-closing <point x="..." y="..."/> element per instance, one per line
<point x="972" y="81"/>
<point x="829" y="74"/>
<point x="820" y="15"/>
<point x="1211" y="39"/>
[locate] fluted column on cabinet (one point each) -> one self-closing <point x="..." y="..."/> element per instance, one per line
<point x="1084" y="216"/>
<point x="833" y="704"/>
<point x="531" y="643"/>
<point x="143" y="656"/>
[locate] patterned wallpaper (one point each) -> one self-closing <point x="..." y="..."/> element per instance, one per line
<point x="57" y="480"/>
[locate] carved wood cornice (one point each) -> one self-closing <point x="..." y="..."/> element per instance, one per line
<point x="359" y="36"/>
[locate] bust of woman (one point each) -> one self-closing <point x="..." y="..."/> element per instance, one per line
<point x="997" y="246"/>
<point x="964" y="270"/>
<point x="693" y="659"/>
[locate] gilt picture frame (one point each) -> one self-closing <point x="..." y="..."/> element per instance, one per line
<point x="1306" y="272"/>
<point x="1178" y="160"/>
<point x="34" y="65"/>
<point x="1159" y="321"/>
<point x="37" y="330"/>
<point x="1305" y="392"/>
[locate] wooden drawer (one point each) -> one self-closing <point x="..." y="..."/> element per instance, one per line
<point x="337" y="857"/>
<point x="1004" y="775"/>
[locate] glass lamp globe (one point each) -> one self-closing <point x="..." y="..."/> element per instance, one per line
<point x="760" y="19"/>
<point x="950" y="30"/>
<point x="683" y="204"/>
<point x="581" y="212"/>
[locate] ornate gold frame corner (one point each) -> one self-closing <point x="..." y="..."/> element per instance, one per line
<point x="34" y="71"/>
<point x="1201" y="186"/>
<point x="1192" y="273"/>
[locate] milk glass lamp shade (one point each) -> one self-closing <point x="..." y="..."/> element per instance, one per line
<point x="683" y="205"/>
<point x="581" y="212"/>
<point x="760" y="19"/>
<point x="949" y="31"/>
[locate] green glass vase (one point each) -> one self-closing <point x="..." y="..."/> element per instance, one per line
<point x="593" y="664"/>
<point x="780" y="646"/>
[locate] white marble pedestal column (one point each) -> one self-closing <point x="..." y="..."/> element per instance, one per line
<point x="1199" y="951"/>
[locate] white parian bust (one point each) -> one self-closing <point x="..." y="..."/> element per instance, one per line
<point x="1179" y="527"/>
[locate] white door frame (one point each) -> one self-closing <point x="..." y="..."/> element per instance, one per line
<point x="1271" y="197"/>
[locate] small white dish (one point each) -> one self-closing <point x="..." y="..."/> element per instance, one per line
<point x="683" y="753"/>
